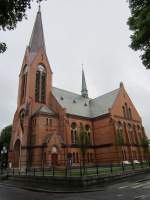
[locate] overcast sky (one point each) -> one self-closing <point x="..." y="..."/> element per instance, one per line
<point x="93" y="32"/>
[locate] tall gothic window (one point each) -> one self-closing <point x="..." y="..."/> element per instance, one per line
<point x="130" y="113"/>
<point x="24" y="83"/>
<point x="124" y="112"/>
<point x="127" y="113"/>
<point x="130" y="130"/>
<point x="74" y="133"/>
<point x="120" y="139"/>
<point x="88" y="132"/>
<point x="40" y="85"/>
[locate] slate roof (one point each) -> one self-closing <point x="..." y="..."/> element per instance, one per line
<point x="76" y="104"/>
<point x="44" y="110"/>
<point x="101" y="104"/>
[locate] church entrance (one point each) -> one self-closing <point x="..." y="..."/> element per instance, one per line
<point x="17" y="150"/>
<point x="54" y="156"/>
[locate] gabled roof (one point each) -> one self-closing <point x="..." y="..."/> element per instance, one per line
<point x="44" y="110"/>
<point x="100" y="105"/>
<point x="49" y="136"/>
<point x="76" y="104"/>
<point x="37" y="38"/>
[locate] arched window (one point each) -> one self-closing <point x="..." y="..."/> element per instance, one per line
<point x="40" y="85"/>
<point x="24" y="83"/>
<point x="74" y="133"/>
<point x="130" y="114"/>
<point x="124" y="112"/>
<point x="21" y="119"/>
<point x="131" y="133"/>
<point x="120" y="137"/>
<point x="88" y="131"/>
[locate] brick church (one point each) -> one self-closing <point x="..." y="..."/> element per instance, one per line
<point x="48" y="120"/>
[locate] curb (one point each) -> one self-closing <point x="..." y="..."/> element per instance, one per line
<point x="83" y="190"/>
<point x="50" y="191"/>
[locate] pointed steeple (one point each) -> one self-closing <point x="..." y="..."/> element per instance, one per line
<point x="84" y="90"/>
<point x="37" y="38"/>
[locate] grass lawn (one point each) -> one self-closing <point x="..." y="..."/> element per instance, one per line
<point x="89" y="171"/>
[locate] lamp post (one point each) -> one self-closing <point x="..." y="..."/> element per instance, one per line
<point x="3" y="157"/>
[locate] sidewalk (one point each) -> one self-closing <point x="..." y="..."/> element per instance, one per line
<point x="41" y="184"/>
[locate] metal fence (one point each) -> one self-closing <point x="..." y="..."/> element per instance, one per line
<point x="77" y="171"/>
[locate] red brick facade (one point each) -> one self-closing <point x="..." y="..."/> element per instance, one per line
<point x="45" y="138"/>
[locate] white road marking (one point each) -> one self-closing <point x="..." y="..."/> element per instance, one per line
<point x="140" y="185"/>
<point x="140" y="197"/>
<point x="123" y="187"/>
<point x="119" y="195"/>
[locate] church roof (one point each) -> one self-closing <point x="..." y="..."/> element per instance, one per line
<point x="37" y="38"/>
<point x="76" y="104"/>
<point x="101" y="104"/>
<point x="44" y="110"/>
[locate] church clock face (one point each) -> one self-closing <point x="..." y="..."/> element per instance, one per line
<point x="25" y="70"/>
<point x="41" y="68"/>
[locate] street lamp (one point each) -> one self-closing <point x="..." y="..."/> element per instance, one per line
<point x="3" y="158"/>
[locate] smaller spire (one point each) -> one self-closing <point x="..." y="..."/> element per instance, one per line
<point x="39" y="7"/>
<point x="84" y="91"/>
<point x="121" y="84"/>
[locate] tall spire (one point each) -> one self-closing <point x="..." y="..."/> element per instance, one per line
<point x="37" y="38"/>
<point x="84" y="90"/>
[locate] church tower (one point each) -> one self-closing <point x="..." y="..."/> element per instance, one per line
<point x="35" y="78"/>
<point x="35" y="84"/>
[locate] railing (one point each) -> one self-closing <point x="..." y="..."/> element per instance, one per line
<point x="77" y="171"/>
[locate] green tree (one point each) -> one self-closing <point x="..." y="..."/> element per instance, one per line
<point x="12" y="12"/>
<point x="145" y="145"/>
<point x="5" y="142"/>
<point x="83" y="142"/>
<point x="139" y="24"/>
<point x="120" y="142"/>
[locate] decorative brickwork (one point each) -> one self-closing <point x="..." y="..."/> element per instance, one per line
<point x="47" y="120"/>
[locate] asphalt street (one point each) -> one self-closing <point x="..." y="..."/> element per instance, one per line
<point x="136" y="188"/>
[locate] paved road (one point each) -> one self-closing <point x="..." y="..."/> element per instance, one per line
<point x="133" y="189"/>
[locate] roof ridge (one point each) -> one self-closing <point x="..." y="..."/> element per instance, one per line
<point x="105" y="94"/>
<point x="68" y="91"/>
